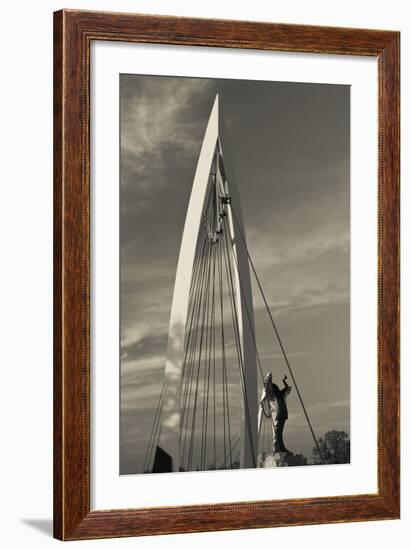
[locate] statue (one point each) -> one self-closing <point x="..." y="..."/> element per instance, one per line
<point x="273" y="405"/>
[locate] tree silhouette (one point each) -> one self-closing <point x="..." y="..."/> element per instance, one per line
<point x="335" y="448"/>
<point x="296" y="460"/>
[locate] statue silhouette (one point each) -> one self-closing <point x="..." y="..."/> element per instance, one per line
<point x="273" y="405"/>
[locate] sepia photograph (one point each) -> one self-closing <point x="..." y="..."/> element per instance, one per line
<point x="226" y="290"/>
<point x="234" y="274"/>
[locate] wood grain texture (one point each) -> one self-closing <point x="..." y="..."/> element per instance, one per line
<point x="73" y="32"/>
<point x="58" y="286"/>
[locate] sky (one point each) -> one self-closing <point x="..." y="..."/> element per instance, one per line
<point x="290" y="146"/>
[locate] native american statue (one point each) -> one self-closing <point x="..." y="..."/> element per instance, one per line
<point x="273" y="406"/>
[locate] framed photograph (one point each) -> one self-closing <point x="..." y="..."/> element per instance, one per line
<point x="226" y="275"/>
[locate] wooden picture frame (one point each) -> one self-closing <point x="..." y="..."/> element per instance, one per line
<point x="74" y="32"/>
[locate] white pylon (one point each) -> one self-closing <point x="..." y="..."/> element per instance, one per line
<point x="170" y="417"/>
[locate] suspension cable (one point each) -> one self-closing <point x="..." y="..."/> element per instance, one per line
<point x="192" y="342"/>
<point x="224" y="370"/>
<point x="186" y="406"/>
<point x="191" y="446"/>
<point x="249" y="320"/>
<point x="152" y="438"/>
<point x="235" y="321"/>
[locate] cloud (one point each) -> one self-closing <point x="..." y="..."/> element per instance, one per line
<point x="309" y="268"/>
<point x="159" y="116"/>
<point x="158" y="122"/>
<point x="146" y="346"/>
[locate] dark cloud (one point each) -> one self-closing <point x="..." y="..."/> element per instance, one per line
<point x="289" y="144"/>
<point x="145" y="347"/>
